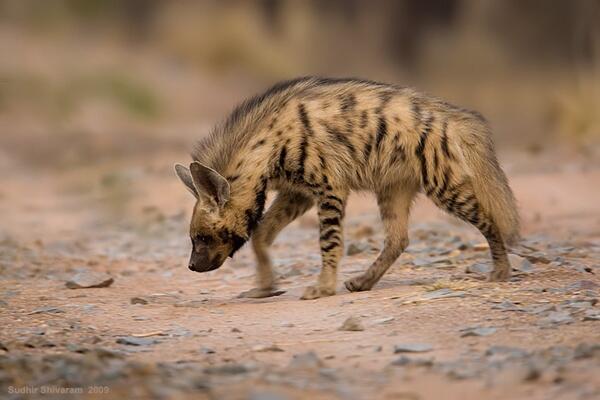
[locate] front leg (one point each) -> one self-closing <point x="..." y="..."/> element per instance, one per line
<point x="286" y="207"/>
<point x="331" y="213"/>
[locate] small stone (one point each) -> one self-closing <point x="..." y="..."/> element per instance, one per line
<point x="266" y="395"/>
<point x="76" y="348"/>
<point x="585" y="350"/>
<point x="236" y="330"/>
<point x="481" y="246"/>
<point x="592" y="315"/>
<point x="138" y="300"/>
<point x="478" y="268"/>
<point x="507" y="306"/>
<point x="38" y="341"/>
<point x="263" y="348"/>
<point x="412" y="348"/>
<point x="505" y="352"/>
<point x="582" y="285"/>
<point x="228" y="369"/>
<point x="478" y="331"/>
<point x="383" y="320"/>
<point x="444" y="293"/>
<point x="307" y="360"/>
<point x="286" y="324"/>
<point x="462" y="370"/>
<point x="47" y="310"/>
<point x="421" y="262"/>
<point x="89" y="279"/>
<point x="351" y="324"/>
<point x="417" y="362"/>
<point x="207" y="350"/>
<point x="357" y="248"/>
<point x="136" y="341"/>
<point x="190" y="303"/>
<point x="520" y="263"/>
<point x="559" y="318"/>
<point x="535" y="310"/>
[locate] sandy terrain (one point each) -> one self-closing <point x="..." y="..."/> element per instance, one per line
<point x="189" y="335"/>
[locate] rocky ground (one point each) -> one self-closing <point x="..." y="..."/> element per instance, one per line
<point x="432" y="328"/>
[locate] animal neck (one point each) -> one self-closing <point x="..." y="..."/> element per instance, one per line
<point x="248" y="187"/>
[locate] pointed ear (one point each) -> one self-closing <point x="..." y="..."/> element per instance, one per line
<point x="210" y="183"/>
<point x="186" y="177"/>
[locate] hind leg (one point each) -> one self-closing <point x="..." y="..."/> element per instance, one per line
<point x="286" y="207"/>
<point x="460" y="201"/>
<point x="394" y="207"/>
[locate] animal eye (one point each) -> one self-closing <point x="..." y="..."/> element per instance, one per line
<point x="204" y="239"/>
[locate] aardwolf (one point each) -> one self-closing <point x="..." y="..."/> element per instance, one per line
<point x="314" y="140"/>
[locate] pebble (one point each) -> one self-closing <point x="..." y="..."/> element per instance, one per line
<point x="207" y="350"/>
<point x="383" y="320"/>
<point x="266" y="395"/>
<point x="592" y="315"/>
<point x="520" y="263"/>
<point x="558" y="318"/>
<point x="352" y="324"/>
<point x="357" y="248"/>
<point x="89" y="279"/>
<point x="47" y="310"/>
<point x="505" y="352"/>
<point x="38" y="341"/>
<point x="478" y="331"/>
<point x="412" y="348"/>
<point x="307" y="360"/>
<point x="138" y="300"/>
<point x="418" y="362"/>
<point x="540" y="309"/>
<point x="478" y="268"/>
<point x="444" y="293"/>
<point x="228" y="369"/>
<point x="263" y="348"/>
<point x="507" y="306"/>
<point x="136" y="341"/>
<point x="582" y="285"/>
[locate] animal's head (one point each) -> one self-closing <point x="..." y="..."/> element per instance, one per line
<point x="213" y="227"/>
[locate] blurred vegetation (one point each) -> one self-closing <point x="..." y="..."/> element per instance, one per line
<point x="531" y="66"/>
<point x="61" y="100"/>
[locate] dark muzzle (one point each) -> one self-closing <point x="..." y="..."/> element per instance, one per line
<point x="203" y="263"/>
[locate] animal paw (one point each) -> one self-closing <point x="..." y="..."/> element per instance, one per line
<point x="499" y="275"/>
<point x="259" y="293"/>
<point x="315" y="292"/>
<point x="357" y="284"/>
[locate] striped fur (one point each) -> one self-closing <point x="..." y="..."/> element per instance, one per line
<point x="314" y="140"/>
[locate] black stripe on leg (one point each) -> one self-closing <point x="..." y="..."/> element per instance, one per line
<point x="329" y="247"/>
<point x="330" y="221"/>
<point x="330" y="207"/>
<point x="328" y="234"/>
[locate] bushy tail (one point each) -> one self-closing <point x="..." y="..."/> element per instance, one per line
<point x="489" y="182"/>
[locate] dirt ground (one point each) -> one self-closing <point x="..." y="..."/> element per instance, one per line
<point x="428" y="330"/>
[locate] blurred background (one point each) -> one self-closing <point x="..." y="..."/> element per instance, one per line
<point x="84" y="81"/>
